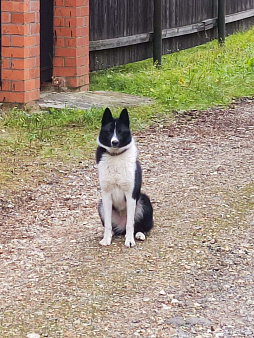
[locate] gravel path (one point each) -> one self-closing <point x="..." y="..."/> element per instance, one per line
<point x="192" y="277"/>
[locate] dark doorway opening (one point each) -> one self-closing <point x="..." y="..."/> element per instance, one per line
<point x="46" y="40"/>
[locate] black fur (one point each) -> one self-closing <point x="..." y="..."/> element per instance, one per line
<point x="138" y="182"/>
<point x="145" y="223"/>
<point x="99" y="152"/>
<point x="108" y="125"/>
<point x="117" y="130"/>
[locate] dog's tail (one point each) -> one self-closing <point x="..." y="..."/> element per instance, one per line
<point x="144" y="215"/>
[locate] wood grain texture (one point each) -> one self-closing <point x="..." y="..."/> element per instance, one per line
<point x="121" y="31"/>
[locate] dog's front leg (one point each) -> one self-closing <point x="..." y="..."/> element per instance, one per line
<point x="107" y="208"/>
<point x="131" y="206"/>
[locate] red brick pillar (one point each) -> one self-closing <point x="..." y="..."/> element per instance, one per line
<point x="71" y="44"/>
<point x="20" y="51"/>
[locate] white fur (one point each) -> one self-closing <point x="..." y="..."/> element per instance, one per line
<point x="117" y="178"/>
<point x="140" y="236"/>
<point x="114" y="137"/>
<point x="117" y="173"/>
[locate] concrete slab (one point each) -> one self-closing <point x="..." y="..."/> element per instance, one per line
<point x="87" y="100"/>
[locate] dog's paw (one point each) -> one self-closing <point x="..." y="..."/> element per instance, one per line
<point x="105" y="241"/>
<point x="140" y="236"/>
<point x="129" y="242"/>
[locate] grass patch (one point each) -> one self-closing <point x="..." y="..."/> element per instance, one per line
<point x="65" y="129"/>
<point x="41" y="140"/>
<point x="26" y="138"/>
<point x="197" y="78"/>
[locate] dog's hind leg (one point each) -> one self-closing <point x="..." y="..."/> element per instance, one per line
<point x="107" y="211"/>
<point x="143" y="217"/>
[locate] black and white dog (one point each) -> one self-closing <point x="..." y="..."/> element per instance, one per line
<point x="123" y="208"/>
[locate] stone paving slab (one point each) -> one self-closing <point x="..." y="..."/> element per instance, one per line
<point x="87" y="100"/>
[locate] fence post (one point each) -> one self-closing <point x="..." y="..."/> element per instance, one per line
<point x="157" y="32"/>
<point x="221" y="21"/>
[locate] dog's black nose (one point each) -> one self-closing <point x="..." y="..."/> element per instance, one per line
<point x="115" y="143"/>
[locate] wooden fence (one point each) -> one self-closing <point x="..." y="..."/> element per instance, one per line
<point x="0" y="44"/>
<point x="121" y="31"/>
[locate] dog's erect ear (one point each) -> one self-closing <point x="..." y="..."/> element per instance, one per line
<point x="124" y="117"/>
<point x="107" y="117"/>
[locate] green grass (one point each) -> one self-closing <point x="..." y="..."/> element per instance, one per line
<point x="44" y="137"/>
<point x="29" y="139"/>
<point x="197" y="78"/>
<point x="61" y="129"/>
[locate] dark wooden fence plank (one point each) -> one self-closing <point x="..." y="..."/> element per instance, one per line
<point x="121" y="31"/>
<point x="124" y="20"/>
<point x="235" y="6"/>
<point x="0" y="44"/>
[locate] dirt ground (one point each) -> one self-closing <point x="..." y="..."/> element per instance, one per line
<point x="192" y="277"/>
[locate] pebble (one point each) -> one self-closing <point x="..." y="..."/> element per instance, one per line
<point x="33" y="335"/>
<point x="166" y="307"/>
<point x="247" y="332"/>
<point x="179" y="321"/>
<point x="182" y="334"/>
<point x="197" y="305"/>
<point x="198" y="321"/>
<point x="176" y="321"/>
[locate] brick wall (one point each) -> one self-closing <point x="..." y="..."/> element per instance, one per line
<point x="20" y="51"/>
<point x="21" y="48"/>
<point x="71" y="49"/>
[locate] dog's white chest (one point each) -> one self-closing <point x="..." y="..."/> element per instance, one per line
<point x="118" y="172"/>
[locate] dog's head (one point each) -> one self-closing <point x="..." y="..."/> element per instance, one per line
<point x="115" y="134"/>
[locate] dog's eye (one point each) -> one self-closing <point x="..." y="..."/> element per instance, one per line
<point x="107" y="132"/>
